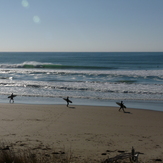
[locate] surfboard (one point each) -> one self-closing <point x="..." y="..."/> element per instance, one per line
<point x="118" y="103"/>
<point x="67" y="100"/>
<point x="13" y="96"/>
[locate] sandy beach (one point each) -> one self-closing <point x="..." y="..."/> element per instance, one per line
<point x="88" y="131"/>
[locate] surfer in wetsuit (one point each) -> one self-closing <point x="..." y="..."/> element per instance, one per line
<point x="121" y="106"/>
<point x="67" y="101"/>
<point x="12" y="98"/>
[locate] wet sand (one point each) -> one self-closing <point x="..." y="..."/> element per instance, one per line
<point x="88" y="131"/>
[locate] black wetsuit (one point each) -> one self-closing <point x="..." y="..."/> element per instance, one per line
<point x="12" y="98"/>
<point x="122" y="106"/>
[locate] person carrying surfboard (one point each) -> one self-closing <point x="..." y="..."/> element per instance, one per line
<point x="121" y="106"/>
<point x="12" y="98"/>
<point x="67" y="100"/>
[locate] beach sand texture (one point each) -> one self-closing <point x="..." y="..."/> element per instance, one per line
<point x="88" y="131"/>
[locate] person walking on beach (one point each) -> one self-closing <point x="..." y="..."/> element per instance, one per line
<point x="121" y="106"/>
<point x="11" y="98"/>
<point x="67" y="100"/>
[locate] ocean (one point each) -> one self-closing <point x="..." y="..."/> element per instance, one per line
<point x="88" y="78"/>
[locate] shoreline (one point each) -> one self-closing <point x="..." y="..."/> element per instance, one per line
<point x="78" y="105"/>
<point x="87" y="131"/>
<point x="136" y="104"/>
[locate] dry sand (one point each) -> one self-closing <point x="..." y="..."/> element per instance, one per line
<point x="88" y="131"/>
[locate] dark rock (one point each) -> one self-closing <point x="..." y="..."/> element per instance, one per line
<point x="158" y="160"/>
<point x="121" y="151"/>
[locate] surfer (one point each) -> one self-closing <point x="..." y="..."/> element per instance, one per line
<point x="121" y="106"/>
<point x="11" y="98"/>
<point x="67" y="100"/>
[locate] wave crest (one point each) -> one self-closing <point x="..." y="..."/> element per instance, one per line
<point x="34" y="64"/>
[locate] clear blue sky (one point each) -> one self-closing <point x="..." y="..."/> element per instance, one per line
<point x="81" y="25"/>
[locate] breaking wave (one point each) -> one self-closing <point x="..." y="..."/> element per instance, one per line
<point x="56" y="80"/>
<point x="40" y="65"/>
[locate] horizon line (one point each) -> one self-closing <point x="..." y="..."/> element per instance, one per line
<point x="81" y="51"/>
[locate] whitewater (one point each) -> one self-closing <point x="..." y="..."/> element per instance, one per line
<point x="98" y="77"/>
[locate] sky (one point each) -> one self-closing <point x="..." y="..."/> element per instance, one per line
<point x="81" y="25"/>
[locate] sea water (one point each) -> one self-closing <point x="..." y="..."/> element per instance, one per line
<point x="95" y="78"/>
